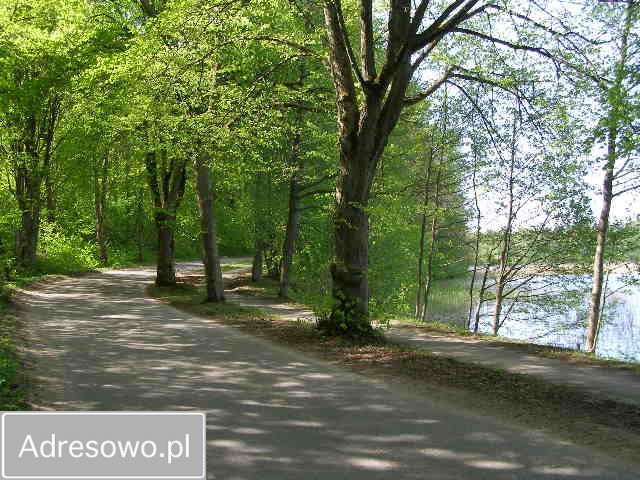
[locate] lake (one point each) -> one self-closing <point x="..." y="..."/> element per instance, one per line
<point x="552" y="322"/>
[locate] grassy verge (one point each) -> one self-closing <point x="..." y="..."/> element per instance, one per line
<point x="567" y="412"/>
<point x="12" y="388"/>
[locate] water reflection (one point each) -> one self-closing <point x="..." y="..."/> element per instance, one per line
<point x="552" y="321"/>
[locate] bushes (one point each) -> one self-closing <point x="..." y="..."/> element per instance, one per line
<point x="64" y="253"/>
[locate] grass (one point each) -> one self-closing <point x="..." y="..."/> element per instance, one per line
<point x="568" y="412"/>
<point x="12" y="384"/>
<point x="192" y="298"/>
<point x="449" y="299"/>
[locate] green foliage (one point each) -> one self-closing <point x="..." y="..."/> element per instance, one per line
<point x="65" y="252"/>
<point x="347" y="320"/>
<point x="12" y="395"/>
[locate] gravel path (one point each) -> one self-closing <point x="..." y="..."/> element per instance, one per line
<point x="96" y="342"/>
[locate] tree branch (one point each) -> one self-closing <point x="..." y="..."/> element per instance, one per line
<point x="367" y="47"/>
<point x="428" y="92"/>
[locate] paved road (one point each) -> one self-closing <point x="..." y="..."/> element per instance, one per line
<point x="98" y="343"/>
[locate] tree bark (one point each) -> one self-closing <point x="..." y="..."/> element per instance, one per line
<point x="166" y="267"/>
<point x="432" y="246"/>
<point x="607" y="186"/>
<point x="28" y="175"/>
<point x="167" y="183"/>
<point x="27" y="238"/>
<point x="506" y="235"/>
<point x="100" y="176"/>
<point x="423" y="230"/>
<point x="291" y="233"/>
<point x="477" y="244"/>
<point x="256" y="266"/>
<point x="483" y="287"/>
<point x="208" y="233"/>
<point x="140" y="225"/>
<point x="601" y="240"/>
<point x="366" y="116"/>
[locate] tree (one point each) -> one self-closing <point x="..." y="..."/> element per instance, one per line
<point x="617" y="97"/>
<point x="369" y="104"/>
<point x="39" y="53"/>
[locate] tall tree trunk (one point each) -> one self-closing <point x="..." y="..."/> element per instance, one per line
<point x="476" y="247"/>
<point x="52" y="120"/>
<point x="483" y="289"/>
<point x="256" y="265"/>
<point x="27" y="237"/>
<point x="208" y="234"/>
<point x="423" y="230"/>
<point x="51" y="199"/>
<point x="601" y="240"/>
<point x="501" y="279"/>
<point x="100" y="178"/>
<point x="140" y="225"/>
<point x="616" y="92"/>
<point x="28" y="175"/>
<point x="167" y="185"/>
<point x="365" y="122"/>
<point x="432" y="247"/>
<point x="349" y="272"/>
<point x="291" y="233"/>
<point x="166" y="267"/>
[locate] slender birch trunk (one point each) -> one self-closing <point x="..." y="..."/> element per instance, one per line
<point x="293" y="224"/>
<point x="423" y="230"/>
<point x="607" y="185"/>
<point x="100" y="179"/>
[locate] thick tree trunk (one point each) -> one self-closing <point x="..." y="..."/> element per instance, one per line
<point x="601" y="240"/>
<point x="167" y="187"/>
<point x="291" y="234"/>
<point x="166" y="268"/>
<point x="101" y="172"/>
<point x="27" y="237"/>
<point x="28" y="193"/>
<point x="28" y="175"/>
<point x="208" y="234"/>
<point x="349" y="272"/>
<point x="365" y="122"/>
